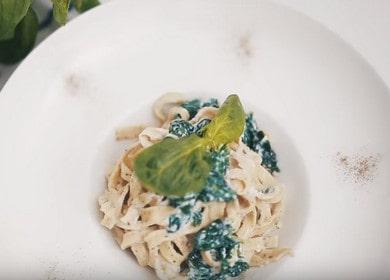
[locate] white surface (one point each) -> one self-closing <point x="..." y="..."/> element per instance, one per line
<point x="309" y="89"/>
<point x="362" y="24"/>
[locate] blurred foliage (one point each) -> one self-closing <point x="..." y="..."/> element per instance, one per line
<point x="19" y="24"/>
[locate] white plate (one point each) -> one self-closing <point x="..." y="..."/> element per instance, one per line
<point x="309" y="89"/>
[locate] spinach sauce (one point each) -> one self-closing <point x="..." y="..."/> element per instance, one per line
<point x="217" y="238"/>
<point x="257" y="141"/>
<point x="216" y="188"/>
<point x="193" y="106"/>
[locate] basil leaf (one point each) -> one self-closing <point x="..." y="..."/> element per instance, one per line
<point x="23" y="41"/>
<point x="84" y="5"/>
<point x="11" y="13"/>
<point x="228" y="124"/>
<point x="174" y="166"/>
<point x="60" y="10"/>
<point x="180" y="166"/>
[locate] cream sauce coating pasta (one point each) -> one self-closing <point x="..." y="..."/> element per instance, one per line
<point x="139" y="219"/>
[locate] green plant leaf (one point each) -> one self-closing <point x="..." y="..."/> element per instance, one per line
<point x="174" y="166"/>
<point x="228" y="124"/>
<point x="84" y="5"/>
<point x="21" y="44"/>
<point x="60" y="10"/>
<point x="181" y="166"/>
<point x="11" y="13"/>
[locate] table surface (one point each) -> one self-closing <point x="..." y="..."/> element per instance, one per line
<point x="362" y="24"/>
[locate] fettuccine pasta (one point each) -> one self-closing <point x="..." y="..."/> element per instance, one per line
<point x="141" y="221"/>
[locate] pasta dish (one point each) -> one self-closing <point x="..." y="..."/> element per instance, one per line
<point x="196" y="197"/>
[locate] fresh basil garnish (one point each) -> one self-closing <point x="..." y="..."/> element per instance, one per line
<point x="228" y="124"/>
<point x="180" y="166"/>
<point x="174" y="166"/>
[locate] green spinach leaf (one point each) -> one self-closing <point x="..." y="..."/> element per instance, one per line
<point x="11" y="13"/>
<point x="84" y="5"/>
<point x="228" y="124"/>
<point x="60" y="10"/>
<point x="174" y="166"/>
<point x="20" y="45"/>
